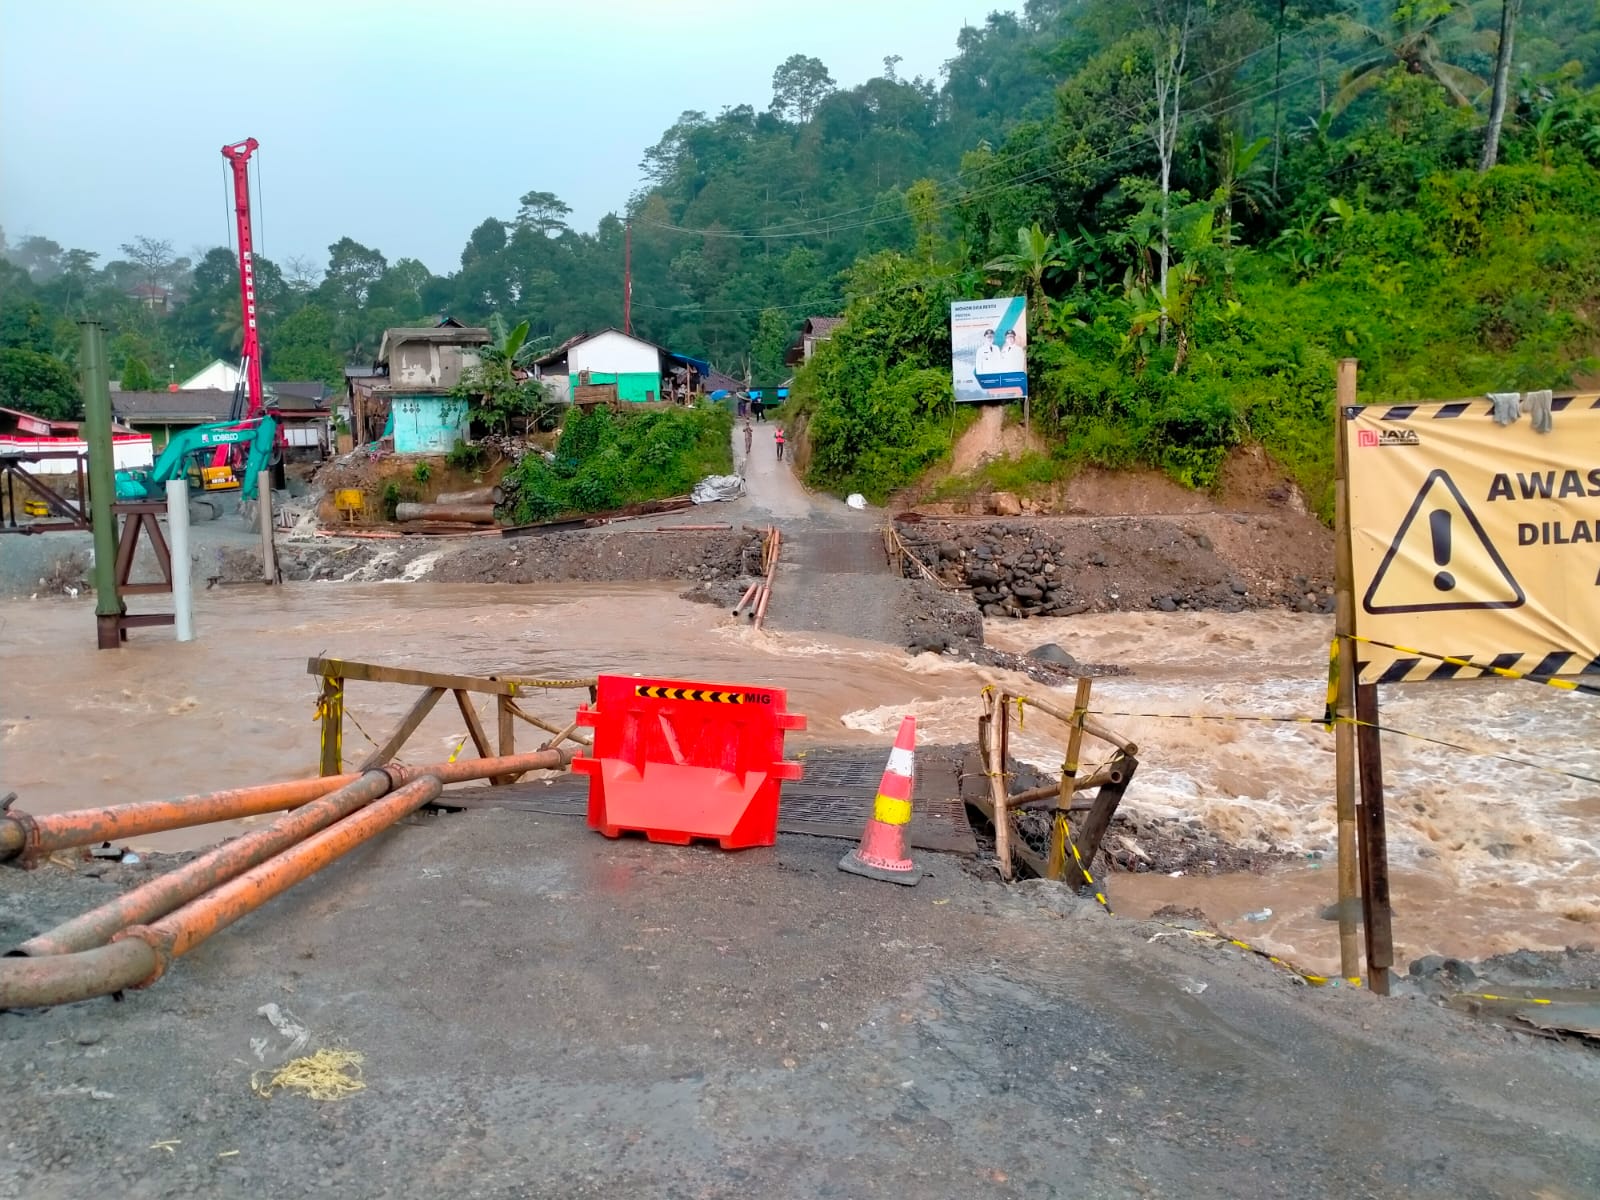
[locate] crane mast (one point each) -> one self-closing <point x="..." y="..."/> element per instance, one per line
<point x="248" y="400"/>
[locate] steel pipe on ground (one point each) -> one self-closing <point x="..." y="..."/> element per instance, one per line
<point x="142" y="953"/>
<point x="167" y="892"/>
<point x="39" y="836"/>
<point x="31" y="837"/>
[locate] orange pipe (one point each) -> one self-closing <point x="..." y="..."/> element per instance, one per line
<point x="749" y="595"/>
<point x="179" y="932"/>
<point x="772" y="570"/>
<point x="166" y="892"/>
<point x="33" y="837"/>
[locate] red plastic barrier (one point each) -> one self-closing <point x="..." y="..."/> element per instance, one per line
<point x="677" y="760"/>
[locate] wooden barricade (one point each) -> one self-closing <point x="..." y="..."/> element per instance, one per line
<point x="506" y="689"/>
<point x="1072" y="847"/>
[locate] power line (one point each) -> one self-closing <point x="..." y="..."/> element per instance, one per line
<point x="1034" y="177"/>
<point x="822" y="225"/>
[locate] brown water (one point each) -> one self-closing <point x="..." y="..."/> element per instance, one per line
<point x="1488" y="855"/>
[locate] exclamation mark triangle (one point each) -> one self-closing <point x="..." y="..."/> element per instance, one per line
<point x="1440" y="559"/>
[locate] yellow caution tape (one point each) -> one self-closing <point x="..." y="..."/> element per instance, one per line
<point x="1313" y="979"/>
<point x="1565" y="685"/>
<point x="1511" y="999"/>
<point x="1331" y="709"/>
<point x="1087" y="878"/>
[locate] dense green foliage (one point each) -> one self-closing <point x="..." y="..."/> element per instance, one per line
<point x="606" y="460"/>
<point x="1368" y="233"/>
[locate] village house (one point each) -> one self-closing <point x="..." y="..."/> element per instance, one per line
<point x="408" y="395"/>
<point x="813" y="332"/>
<point x="616" y="367"/>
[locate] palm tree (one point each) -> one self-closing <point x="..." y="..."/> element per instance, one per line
<point x="1038" y="254"/>
<point x="1415" y="42"/>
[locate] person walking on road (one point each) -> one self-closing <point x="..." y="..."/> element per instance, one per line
<point x="777" y="440"/>
<point x="749" y="437"/>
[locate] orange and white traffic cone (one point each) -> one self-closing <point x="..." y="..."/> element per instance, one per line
<point x="882" y="853"/>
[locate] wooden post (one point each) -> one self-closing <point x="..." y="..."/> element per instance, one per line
<point x="332" y="708"/>
<point x="1344" y="740"/>
<point x="1106" y="800"/>
<point x="1374" y="843"/>
<point x="996" y="768"/>
<point x="480" y="740"/>
<point x="507" y="732"/>
<point x="1056" y="864"/>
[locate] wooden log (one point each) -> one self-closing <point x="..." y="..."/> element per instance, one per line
<point x="483" y="495"/>
<point x="403" y="731"/>
<point x="1049" y="795"/>
<point x="1099" y="818"/>
<point x="507" y="734"/>
<point x="471" y="514"/>
<point x="1374" y="839"/>
<point x="339" y="668"/>
<point x="582" y="739"/>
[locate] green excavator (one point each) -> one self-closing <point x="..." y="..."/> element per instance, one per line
<point x="182" y="457"/>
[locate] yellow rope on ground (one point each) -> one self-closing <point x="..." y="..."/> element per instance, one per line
<point x="325" y="1075"/>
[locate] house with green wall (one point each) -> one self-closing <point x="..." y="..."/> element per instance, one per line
<point x="641" y="371"/>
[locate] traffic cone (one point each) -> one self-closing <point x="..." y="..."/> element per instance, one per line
<point x="882" y="853"/>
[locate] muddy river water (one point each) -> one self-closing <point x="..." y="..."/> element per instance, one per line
<point x="1488" y="855"/>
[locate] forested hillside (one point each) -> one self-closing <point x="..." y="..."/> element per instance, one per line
<point x="1206" y="201"/>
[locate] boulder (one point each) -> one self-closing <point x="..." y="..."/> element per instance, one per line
<point x="949" y="551"/>
<point x="1005" y="504"/>
<point x="1052" y="653"/>
<point x="1027" y="593"/>
<point x="993" y="610"/>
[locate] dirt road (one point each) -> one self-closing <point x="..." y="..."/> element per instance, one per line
<point x="544" y="1013"/>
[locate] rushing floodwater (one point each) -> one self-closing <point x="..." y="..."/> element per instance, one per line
<point x="1487" y="855"/>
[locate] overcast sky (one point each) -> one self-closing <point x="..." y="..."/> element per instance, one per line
<point x="399" y="123"/>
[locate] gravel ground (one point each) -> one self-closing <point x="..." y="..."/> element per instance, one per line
<point x="545" y="1013"/>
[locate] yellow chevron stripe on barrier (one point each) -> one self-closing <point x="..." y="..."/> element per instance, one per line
<point x="701" y="694"/>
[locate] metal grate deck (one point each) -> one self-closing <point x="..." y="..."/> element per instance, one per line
<point x="833" y="800"/>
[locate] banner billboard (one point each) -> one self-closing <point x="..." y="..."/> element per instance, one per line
<point x="989" y="348"/>
<point x="1475" y="540"/>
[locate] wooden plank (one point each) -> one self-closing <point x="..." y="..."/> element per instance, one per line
<point x="1344" y="742"/>
<point x="1374" y="842"/>
<point x="377" y="673"/>
<point x="994" y="767"/>
<point x="1021" y="850"/>
<point x="474" y="727"/>
<point x="331" y="705"/>
<point x="507" y="733"/>
<point x="404" y="730"/>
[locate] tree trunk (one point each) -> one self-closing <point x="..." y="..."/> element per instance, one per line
<point x="1509" y="11"/>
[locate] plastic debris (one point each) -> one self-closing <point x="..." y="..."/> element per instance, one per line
<point x="856" y="500"/>
<point x="717" y="487"/>
<point x="131" y="858"/>
<point x="1258" y="915"/>
<point x="288" y="1025"/>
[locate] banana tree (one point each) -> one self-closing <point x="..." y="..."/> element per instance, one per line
<point x="1038" y="254"/>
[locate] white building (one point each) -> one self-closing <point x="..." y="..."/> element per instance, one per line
<point x="220" y="375"/>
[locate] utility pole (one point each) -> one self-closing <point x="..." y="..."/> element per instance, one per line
<point x="627" y="278"/>
<point x="108" y="607"/>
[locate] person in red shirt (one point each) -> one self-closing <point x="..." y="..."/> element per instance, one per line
<point x="777" y="439"/>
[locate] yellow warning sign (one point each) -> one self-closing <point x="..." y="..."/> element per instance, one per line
<point x="704" y="695"/>
<point x="1475" y="540"/>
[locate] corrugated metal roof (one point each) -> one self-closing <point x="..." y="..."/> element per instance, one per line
<point x="196" y="404"/>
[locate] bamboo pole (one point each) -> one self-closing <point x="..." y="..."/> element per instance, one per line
<point x="1344" y="740"/>
<point x="1090" y="726"/>
<point x="540" y="723"/>
<point x="1056" y="863"/>
<point x="996" y="768"/>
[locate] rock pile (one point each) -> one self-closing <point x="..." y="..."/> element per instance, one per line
<point x="1010" y="573"/>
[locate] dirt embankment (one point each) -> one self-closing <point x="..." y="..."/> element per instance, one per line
<point x="699" y="557"/>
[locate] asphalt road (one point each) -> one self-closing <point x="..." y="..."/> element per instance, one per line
<point x="544" y="1013"/>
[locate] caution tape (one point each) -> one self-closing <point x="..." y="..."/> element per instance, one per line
<point x="1508" y="999"/>
<point x="1565" y="685"/>
<point x="703" y="695"/>
<point x="547" y="683"/>
<point x="1087" y="878"/>
<point x="1310" y="977"/>
<point x="1330" y="711"/>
